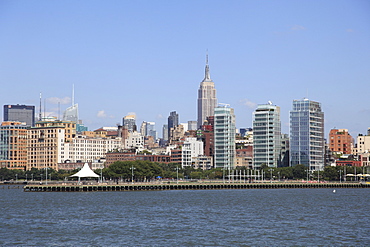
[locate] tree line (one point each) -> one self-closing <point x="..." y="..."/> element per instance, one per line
<point x="149" y="171"/>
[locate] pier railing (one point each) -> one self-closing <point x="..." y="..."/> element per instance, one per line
<point x="183" y="186"/>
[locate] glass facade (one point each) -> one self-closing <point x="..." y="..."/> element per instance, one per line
<point x="20" y="113"/>
<point x="266" y="136"/>
<point x="307" y="134"/>
<point x="224" y="137"/>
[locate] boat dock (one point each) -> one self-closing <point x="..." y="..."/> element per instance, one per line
<point x="192" y="186"/>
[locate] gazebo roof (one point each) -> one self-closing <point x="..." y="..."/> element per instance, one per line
<point x="85" y="172"/>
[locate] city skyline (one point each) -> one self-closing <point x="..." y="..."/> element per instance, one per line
<point x="148" y="58"/>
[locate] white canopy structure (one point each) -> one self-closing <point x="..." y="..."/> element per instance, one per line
<point x="85" y="172"/>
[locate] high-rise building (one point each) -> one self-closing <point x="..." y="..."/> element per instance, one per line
<point x="165" y="132"/>
<point x="307" y="144"/>
<point x="224" y="137"/>
<point x="266" y="136"/>
<point x="71" y="114"/>
<point x="129" y="122"/>
<point x="207" y="100"/>
<point x="150" y="130"/>
<point x="192" y="125"/>
<point x="340" y="141"/>
<point x="143" y="128"/>
<point x="20" y="113"/>
<point x="13" y="145"/>
<point x="173" y="121"/>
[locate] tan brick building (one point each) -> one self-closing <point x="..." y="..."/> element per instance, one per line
<point x="13" y="142"/>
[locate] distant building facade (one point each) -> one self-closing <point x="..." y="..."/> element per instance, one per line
<point x="207" y="100"/>
<point x="172" y="122"/>
<point x="224" y="137"/>
<point x="129" y="122"/>
<point x="13" y="145"/>
<point x="340" y="141"/>
<point x="307" y="144"/>
<point x="20" y="113"/>
<point x="266" y="136"/>
<point x="191" y="149"/>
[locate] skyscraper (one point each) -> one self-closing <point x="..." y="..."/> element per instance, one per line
<point x="266" y="135"/>
<point x="71" y="113"/>
<point x="307" y="134"/>
<point x="224" y="137"/>
<point x="207" y="100"/>
<point x="129" y="122"/>
<point x="20" y="113"/>
<point x="173" y="120"/>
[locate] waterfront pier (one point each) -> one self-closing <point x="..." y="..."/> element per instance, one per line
<point x="185" y="186"/>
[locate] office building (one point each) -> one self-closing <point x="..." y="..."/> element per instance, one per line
<point x="13" y="145"/>
<point x="207" y="100"/>
<point x="20" y="113"/>
<point x="129" y="122"/>
<point x="307" y="144"/>
<point x="224" y="137"/>
<point x="172" y="122"/>
<point x="266" y="136"/>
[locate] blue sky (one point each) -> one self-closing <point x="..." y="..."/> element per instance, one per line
<point x="148" y="57"/>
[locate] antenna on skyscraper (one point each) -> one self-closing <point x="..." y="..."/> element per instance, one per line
<point x="40" y="117"/>
<point x="73" y="94"/>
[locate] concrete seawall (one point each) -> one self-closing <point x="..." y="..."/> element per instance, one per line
<point x="192" y="186"/>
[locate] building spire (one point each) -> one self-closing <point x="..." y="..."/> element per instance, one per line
<point x="73" y="94"/>
<point x="207" y="76"/>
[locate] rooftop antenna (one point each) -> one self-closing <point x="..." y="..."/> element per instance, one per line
<point x="40" y="118"/>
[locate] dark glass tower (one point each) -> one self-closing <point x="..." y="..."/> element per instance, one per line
<point x="20" y="113"/>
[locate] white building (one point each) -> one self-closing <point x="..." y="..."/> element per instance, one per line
<point x="134" y="140"/>
<point x="87" y="149"/>
<point x="224" y="137"/>
<point x="266" y="135"/>
<point x="190" y="150"/>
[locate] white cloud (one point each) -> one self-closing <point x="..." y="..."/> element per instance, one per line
<point x="101" y="114"/>
<point x="297" y="28"/>
<point x="56" y="100"/>
<point x="248" y="103"/>
<point x="160" y="116"/>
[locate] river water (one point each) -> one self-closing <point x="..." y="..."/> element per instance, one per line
<point x="260" y="217"/>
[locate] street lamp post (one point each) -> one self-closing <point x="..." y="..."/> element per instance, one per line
<point x="279" y="175"/>
<point x="177" y="175"/>
<point x="271" y="175"/>
<point x="46" y="175"/>
<point x="132" y="174"/>
<point x="307" y="174"/>
<point x="16" y="178"/>
<point x="340" y="176"/>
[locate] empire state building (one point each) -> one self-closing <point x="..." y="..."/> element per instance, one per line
<point x="207" y="100"/>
